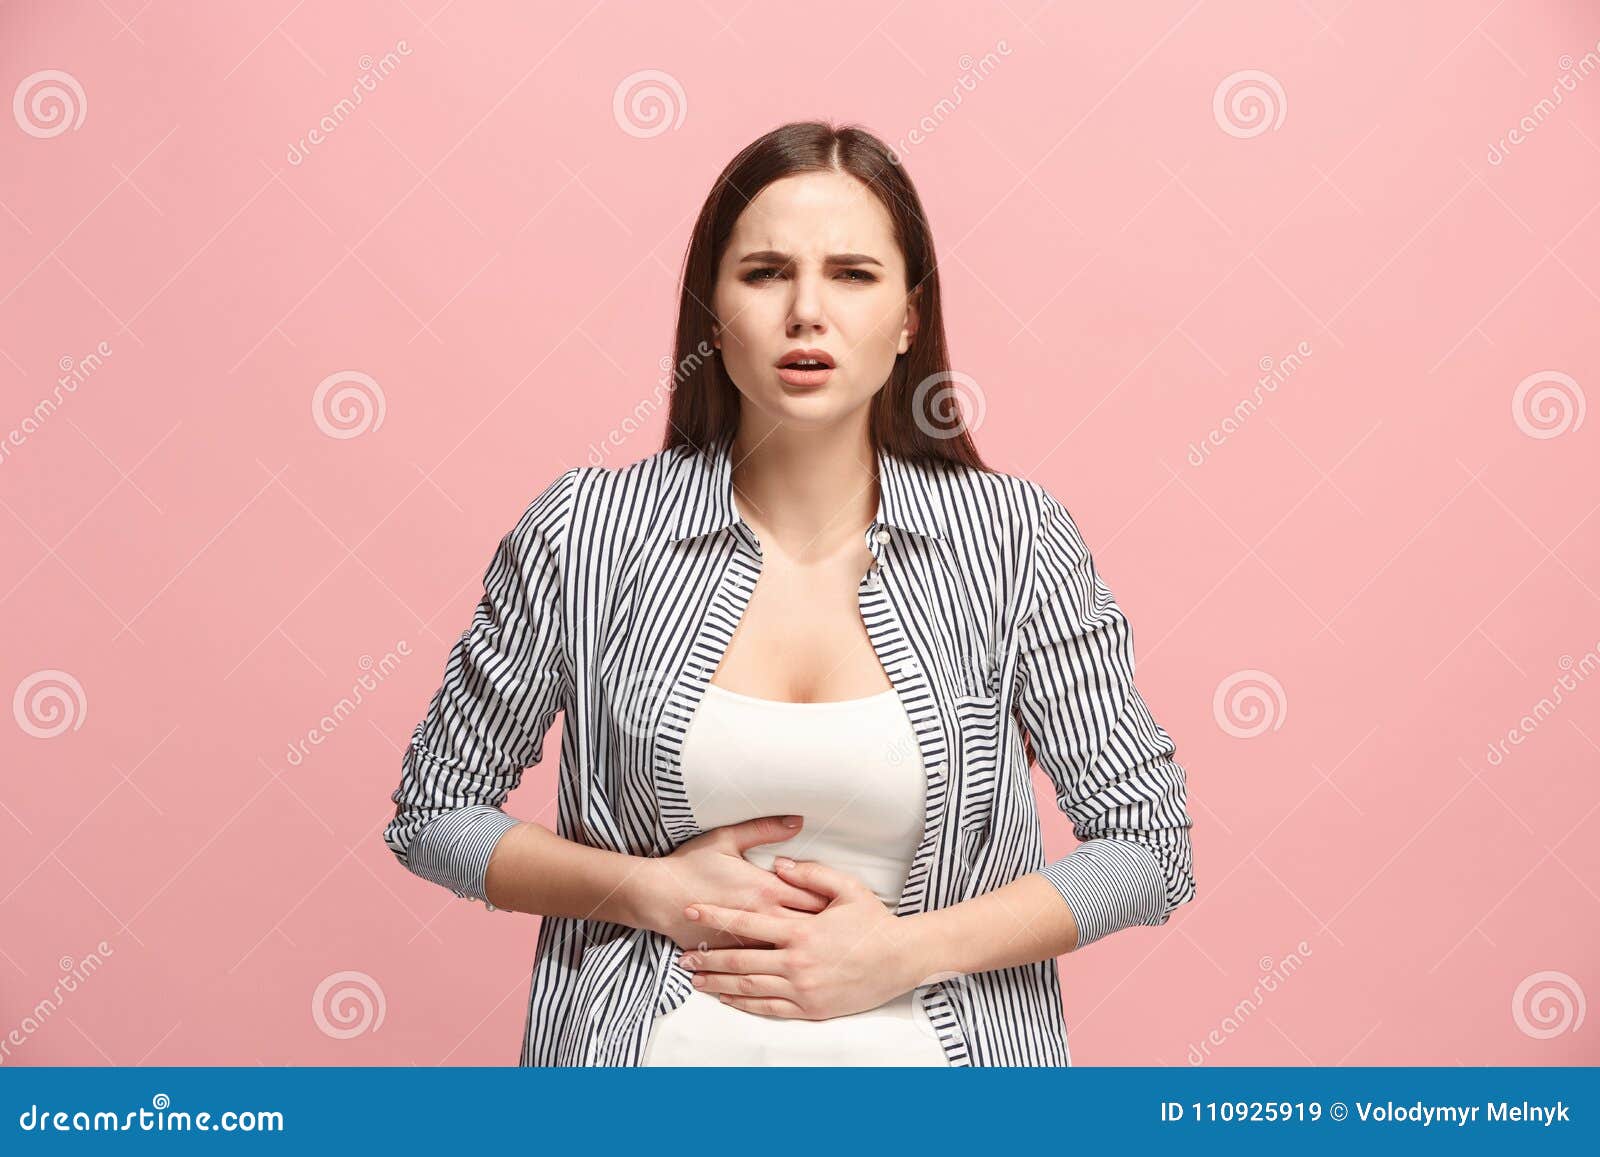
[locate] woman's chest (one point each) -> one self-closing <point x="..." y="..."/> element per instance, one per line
<point x="801" y="637"/>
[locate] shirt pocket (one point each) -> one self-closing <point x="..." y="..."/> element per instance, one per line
<point x="978" y="736"/>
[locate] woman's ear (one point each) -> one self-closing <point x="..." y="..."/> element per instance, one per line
<point x="908" y="334"/>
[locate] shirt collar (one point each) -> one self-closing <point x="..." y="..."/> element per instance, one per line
<point x="906" y="495"/>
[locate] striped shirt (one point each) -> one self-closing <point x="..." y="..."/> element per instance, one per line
<point x="612" y="601"/>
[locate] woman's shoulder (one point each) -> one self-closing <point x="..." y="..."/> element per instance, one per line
<point x="614" y="495"/>
<point x="987" y="498"/>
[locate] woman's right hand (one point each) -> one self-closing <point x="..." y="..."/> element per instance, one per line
<point x="711" y="869"/>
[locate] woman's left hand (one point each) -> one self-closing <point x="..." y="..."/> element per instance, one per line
<point x="851" y="956"/>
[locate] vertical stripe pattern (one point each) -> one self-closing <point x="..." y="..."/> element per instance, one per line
<point x="612" y="601"/>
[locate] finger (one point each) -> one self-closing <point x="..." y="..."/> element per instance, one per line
<point x="764" y="830"/>
<point x="743" y="924"/>
<point x="747" y="960"/>
<point x="764" y="1005"/>
<point x="743" y="984"/>
<point x="817" y="877"/>
<point x="715" y="939"/>
<point x="792" y="897"/>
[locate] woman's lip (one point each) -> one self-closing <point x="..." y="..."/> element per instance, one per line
<point x="805" y="377"/>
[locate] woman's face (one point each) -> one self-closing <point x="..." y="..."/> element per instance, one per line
<point x="812" y="264"/>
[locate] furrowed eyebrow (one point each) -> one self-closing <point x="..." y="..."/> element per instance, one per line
<point x="773" y="257"/>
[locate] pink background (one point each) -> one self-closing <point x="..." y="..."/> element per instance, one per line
<point x="1397" y="548"/>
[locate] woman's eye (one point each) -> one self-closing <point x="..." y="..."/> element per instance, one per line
<point x="858" y="275"/>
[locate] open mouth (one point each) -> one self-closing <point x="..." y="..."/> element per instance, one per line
<point x="803" y="367"/>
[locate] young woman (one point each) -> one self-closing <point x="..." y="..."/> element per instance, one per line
<point x="805" y="655"/>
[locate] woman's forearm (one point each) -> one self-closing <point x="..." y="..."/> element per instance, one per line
<point x="1019" y="923"/>
<point x="534" y="870"/>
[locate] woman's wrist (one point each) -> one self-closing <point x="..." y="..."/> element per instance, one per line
<point x="922" y="955"/>
<point x="640" y="895"/>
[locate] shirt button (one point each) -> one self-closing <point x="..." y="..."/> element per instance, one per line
<point x="882" y="536"/>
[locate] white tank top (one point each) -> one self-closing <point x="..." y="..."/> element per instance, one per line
<point x="854" y="770"/>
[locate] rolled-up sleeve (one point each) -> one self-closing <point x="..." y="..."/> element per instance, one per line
<point x="504" y="681"/>
<point x="1112" y="764"/>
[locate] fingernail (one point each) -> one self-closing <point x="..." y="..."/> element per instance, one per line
<point x="699" y="982"/>
<point x="692" y="913"/>
<point x="690" y="961"/>
<point x="791" y="821"/>
<point x="783" y="861"/>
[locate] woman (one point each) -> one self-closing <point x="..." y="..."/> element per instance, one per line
<point x="814" y="604"/>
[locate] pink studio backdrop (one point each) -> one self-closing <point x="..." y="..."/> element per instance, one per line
<point x="1310" y="367"/>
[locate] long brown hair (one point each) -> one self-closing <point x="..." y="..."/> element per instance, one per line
<point x="904" y="421"/>
<point x="907" y="418"/>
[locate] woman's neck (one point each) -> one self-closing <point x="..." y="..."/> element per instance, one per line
<point x="813" y="493"/>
